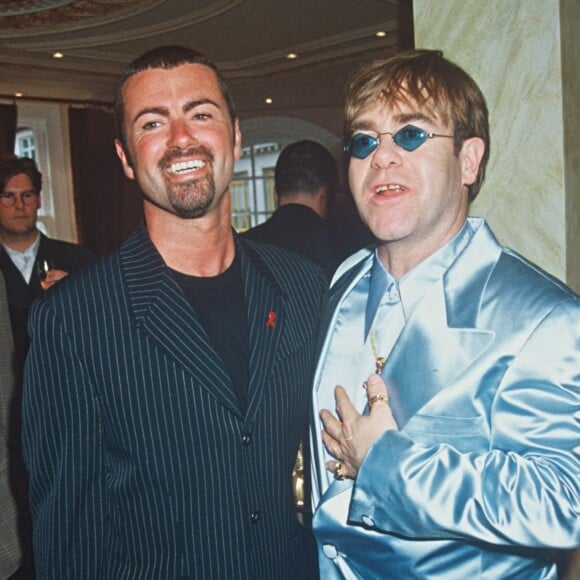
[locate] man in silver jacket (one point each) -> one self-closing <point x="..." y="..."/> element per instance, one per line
<point x="450" y="448"/>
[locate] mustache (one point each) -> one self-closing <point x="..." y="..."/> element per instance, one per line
<point x="177" y="154"/>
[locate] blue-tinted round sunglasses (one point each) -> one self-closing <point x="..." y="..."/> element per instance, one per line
<point x="409" y="137"/>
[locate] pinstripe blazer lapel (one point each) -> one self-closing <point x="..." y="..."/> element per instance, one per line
<point x="162" y="312"/>
<point x="269" y="337"/>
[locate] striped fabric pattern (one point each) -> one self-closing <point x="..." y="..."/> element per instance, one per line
<point x="141" y="463"/>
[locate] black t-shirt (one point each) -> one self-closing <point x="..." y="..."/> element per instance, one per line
<point x="220" y="305"/>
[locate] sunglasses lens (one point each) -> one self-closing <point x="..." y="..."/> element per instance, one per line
<point x="410" y="137"/>
<point x="361" y="145"/>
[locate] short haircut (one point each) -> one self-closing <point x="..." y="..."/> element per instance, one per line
<point x="305" y="166"/>
<point x="427" y="79"/>
<point x="165" y="57"/>
<point x="12" y="165"/>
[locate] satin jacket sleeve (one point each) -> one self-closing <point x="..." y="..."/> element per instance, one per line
<point x="517" y="482"/>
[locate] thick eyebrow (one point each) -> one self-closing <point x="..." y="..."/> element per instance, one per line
<point x="402" y="118"/>
<point x="9" y="192"/>
<point x="161" y="111"/>
<point x="193" y="104"/>
<point x="164" y="111"/>
<point x="408" y="117"/>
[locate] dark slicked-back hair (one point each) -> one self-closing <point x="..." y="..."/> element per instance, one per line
<point x="427" y="79"/>
<point x="12" y="165"/>
<point x="165" y="57"/>
<point x="305" y="166"/>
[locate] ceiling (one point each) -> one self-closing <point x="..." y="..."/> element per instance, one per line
<point x="248" y="39"/>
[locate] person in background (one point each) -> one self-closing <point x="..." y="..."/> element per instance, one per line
<point x="31" y="263"/>
<point x="167" y="384"/>
<point x="305" y="181"/>
<point x="445" y="432"/>
<point x="348" y="233"/>
<point x="9" y="545"/>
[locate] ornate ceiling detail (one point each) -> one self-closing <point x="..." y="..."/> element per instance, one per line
<point x="249" y="39"/>
<point x="21" y="14"/>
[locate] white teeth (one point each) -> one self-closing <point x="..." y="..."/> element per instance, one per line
<point x="390" y="187"/>
<point x="186" y="166"/>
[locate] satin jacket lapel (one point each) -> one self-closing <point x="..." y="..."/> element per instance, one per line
<point x="440" y="340"/>
<point x="338" y="289"/>
<point x="164" y="315"/>
<point x="335" y="294"/>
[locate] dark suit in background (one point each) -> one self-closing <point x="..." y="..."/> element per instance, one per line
<point x="64" y="256"/>
<point x="142" y="463"/>
<point x="300" y="229"/>
<point x="305" y="181"/>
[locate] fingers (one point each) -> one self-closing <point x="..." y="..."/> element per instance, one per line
<point x="331" y="424"/>
<point x="344" y="407"/>
<point x="378" y="398"/>
<point x="331" y="444"/>
<point x="376" y="391"/>
<point x="340" y="469"/>
<point x="53" y="276"/>
<point x="346" y="415"/>
<point x="331" y="432"/>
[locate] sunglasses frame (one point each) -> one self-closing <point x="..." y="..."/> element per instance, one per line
<point x="396" y="137"/>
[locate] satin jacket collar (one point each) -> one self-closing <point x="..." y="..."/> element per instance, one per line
<point x="442" y="322"/>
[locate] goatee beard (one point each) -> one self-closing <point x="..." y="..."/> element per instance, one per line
<point x="192" y="198"/>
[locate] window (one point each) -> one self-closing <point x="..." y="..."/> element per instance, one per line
<point x="252" y="189"/>
<point x="28" y="143"/>
<point x="42" y="134"/>
<point x="25" y="145"/>
<point x="240" y="201"/>
<point x="264" y="139"/>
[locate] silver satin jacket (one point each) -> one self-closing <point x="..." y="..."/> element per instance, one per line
<point x="482" y="480"/>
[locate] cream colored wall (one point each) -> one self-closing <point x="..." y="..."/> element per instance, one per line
<point x="513" y="49"/>
<point x="570" y="20"/>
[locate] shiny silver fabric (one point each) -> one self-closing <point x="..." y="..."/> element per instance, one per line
<point x="482" y="481"/>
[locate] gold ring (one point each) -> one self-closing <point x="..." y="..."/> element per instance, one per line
<point x="381" y="397"/>
<point x="339" y="470"/>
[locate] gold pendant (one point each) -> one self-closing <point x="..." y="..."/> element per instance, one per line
<point x="379" y="364"/>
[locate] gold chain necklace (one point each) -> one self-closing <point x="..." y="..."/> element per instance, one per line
<point x="379" y="360"/>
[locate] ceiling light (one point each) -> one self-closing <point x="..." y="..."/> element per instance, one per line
<point x="381" y="34"/>
<point x="58" y="55"/>
<point x="268" y="101"/>
<point x="18" y="95"/>
<point x="291" y="56"/>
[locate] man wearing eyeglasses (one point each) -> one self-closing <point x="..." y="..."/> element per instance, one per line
<point x="447" y="451"/>
<point x="31" y="263"/>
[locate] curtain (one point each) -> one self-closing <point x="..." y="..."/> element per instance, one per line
<point x="8" y="120"/>
<point x="107" y="204"/>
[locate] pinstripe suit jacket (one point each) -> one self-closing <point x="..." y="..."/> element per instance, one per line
<point x="141" y="463"/>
